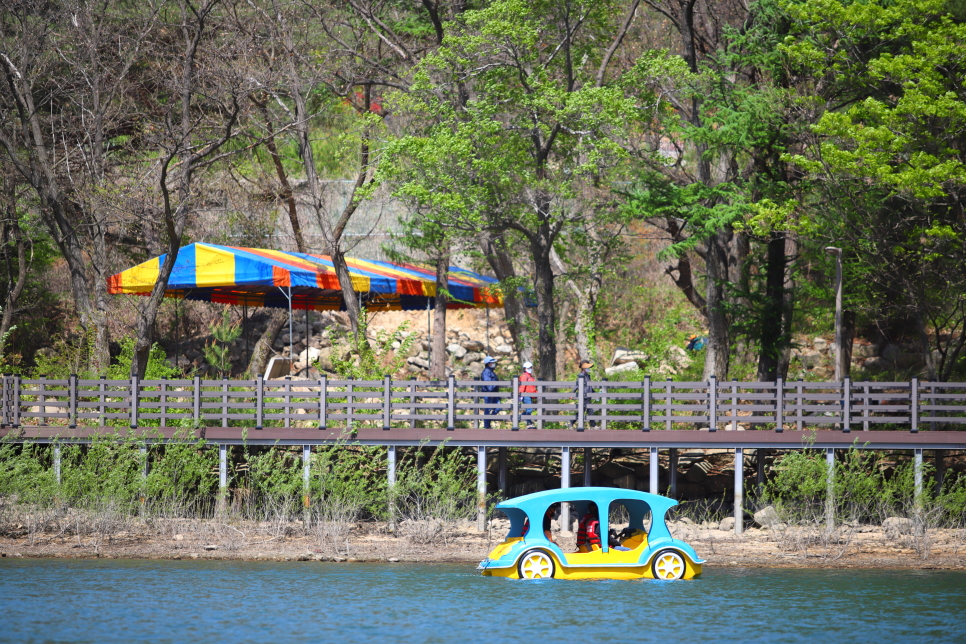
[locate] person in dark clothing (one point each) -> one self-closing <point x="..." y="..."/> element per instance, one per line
<point x="489" y="375"/>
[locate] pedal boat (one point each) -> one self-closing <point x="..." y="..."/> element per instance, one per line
<point x="651" y="553"/>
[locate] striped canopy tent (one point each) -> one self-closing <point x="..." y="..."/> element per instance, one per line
<point x="273" y="278"/>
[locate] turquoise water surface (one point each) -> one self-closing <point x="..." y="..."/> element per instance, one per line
<point x="205" y="601"/>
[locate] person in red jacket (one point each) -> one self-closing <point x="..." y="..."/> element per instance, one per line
<point x="526" y="390"/>
<point x="588" y="530"/>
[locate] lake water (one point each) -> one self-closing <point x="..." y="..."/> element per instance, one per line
<point x="202" y="601"/>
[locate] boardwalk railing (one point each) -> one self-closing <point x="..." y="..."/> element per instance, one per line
<point x="645" y="405"/>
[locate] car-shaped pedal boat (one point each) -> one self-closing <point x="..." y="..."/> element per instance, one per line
<point x="645" y="552"/>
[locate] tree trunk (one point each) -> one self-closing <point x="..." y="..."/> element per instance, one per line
<point x="848" y="335"/>
<point x="788" y="304"/>
<point x="772" y="332"/>
<point x="541" y="245"/>
<point x="514" y="308"/>
<point x="437" y="368"/>
<point x="717" y="353"/>
<point x="263" y="348"/>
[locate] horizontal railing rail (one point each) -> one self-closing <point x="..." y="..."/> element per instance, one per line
<point x="647" y="405"/>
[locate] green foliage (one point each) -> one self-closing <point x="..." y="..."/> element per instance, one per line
<point x="437" y="484"/>
<point x="372" y="358"/>
<point x="157" y="368"/>
<point x="218" y="353"/>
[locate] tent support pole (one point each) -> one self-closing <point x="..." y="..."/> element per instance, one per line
<point x="488" y="329"/>
<point x="429" y="332"/>
<point x="245" y="325"/>
<point x="288" y="296"/>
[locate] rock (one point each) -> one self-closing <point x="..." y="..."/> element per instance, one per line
<point x="624" y="367"/>
<point x="698" y="472"/>
<point x="727" y="524"/>
<point x="615" y="470"/>
<point x="472" y="346"/>
<point x="767" y="517"/>
<point x="324" y="359"/>
<point x="810" y="359"/>
<point x="475" y="368"/>
<point x="628" y="482"/>
<point x="393" y="559"/>
<point x="874" y="364"/>
<point x="417" y="361"/>
<point x="309" y="356"/>
<point x="678" y="357"/>
<point x="457" y="351"/>
<point x="451" y="348"/>
<point x="863" y="350"/>
<point x="820" y="344"/>
<point x="211" y="546"/>
<point x="503" y="350"/>
<point x="890" y="353"/>
<point x="894" y="526"/>
<point x="179" y="537"/>
<point x="471" y="357"/>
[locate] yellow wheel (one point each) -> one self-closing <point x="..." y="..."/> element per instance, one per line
<point x="536" y="564"/>
<point x="668" y="564"/>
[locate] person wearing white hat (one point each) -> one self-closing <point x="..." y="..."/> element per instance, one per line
<point x="489" y="375"/>
<point x="526" y="390"/>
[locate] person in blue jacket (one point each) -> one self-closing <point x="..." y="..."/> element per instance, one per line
<point x="489" y="375"/>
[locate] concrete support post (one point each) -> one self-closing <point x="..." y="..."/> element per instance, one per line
<point x="739" y="490"/>
<point x="306" y="474"/>
<point x="565" y="483"/>
<point x="673" y="472"/>
<point x="653" y="465"/>
<point x="588" y="466"/>
<point x="481" y="488"/>
<point x="830" y="488"/>
<point x="57" y="464"/>
<point x="391" y="480"/>
<point x="222" y="476"/>
<point x="502" y="479"/>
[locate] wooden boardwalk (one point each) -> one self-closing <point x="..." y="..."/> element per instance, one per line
<point x="650" y="415"/>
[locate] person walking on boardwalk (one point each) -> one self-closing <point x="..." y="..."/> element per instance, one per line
<point x="489" y="375"/>
<point x="526" y="392"/>
<point x="583" y="380"/>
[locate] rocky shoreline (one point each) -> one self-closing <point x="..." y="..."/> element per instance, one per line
<point x="859" y="547"/>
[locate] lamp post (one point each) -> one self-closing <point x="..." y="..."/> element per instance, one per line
<point x="839" y="353"/>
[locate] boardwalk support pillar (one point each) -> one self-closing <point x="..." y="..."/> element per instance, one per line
<point x="306" y="474"/>
<point x="830" y="489"/>
<point x="588" y="466"/>
<point x="57" y="463"/>
<point x="739" y="490"/>
<point x="502" y="481"/>
<point x="391" y="480"/>
<point x="653" y="465"/>
<point x="481" y="488"/>
<point x="564" y="484"/>
<point x="222" y="476"/>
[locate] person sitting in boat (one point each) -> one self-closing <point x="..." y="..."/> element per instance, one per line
<point x="588" y="530"/>
<point x="547" y="518"/>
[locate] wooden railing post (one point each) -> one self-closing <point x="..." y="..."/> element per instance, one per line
<point x="196" y="401"/>
<point x="914" y="403"/>
<point x="163" y="402"/>
<point x="16" y="401"/>
<point x="515" y="388"/>
<point x="712" y="403"/>
<point x="135" y="390"/>
<point x="349" y="390"/>
<point x="323" y="402"/>
<point x="846" y="404"/>
<point x="224" y="402"/>
<point x="42" y="397"/>
<point x="72" y="403"/>
<point x="451" y="403"/>
<point x="288" y="401"/>
<point x="800" y="390"/>
<point x="4" y="399"/>
<point x="779" y="405"/>
<point x="412" y="404"/>
<point x="386" y="413"/>
<point x="603" y="403"/>
<point x="259" y="401"/>
<point x="102" y="400"/>
<point x="581" y="400"/>
<point x="668" y="406"/>
<point x="646" y="402"/>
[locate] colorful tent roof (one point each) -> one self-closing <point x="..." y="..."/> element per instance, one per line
<point x="256" y="277"/>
